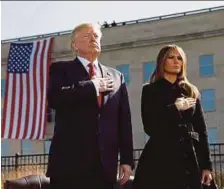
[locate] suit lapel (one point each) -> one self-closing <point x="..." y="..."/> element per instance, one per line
<point x="81" y="73"/>
<point x="105" y="73"/>
<point x="79" y="70"/>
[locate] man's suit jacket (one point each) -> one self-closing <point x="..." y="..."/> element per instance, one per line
<point x="82" y="128"/>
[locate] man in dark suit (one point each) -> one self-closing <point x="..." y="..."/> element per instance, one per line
<point x="93" y="119"/>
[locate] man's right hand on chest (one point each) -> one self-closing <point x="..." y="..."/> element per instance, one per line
<point x="103" y="84"/>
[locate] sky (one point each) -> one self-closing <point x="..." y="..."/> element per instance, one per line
<point x="24" y="18"/>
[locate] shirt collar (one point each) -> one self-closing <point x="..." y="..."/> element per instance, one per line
<point x="85" y="62"/>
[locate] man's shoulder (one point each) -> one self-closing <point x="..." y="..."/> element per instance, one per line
<point x="61" y="65"/>
<point x="113" y="70"/>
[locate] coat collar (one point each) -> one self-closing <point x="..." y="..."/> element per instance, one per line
<point x="167" y="83"/>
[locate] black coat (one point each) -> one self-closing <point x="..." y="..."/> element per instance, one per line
<point x="85" y="135"/>
<point x="178" y="148"/>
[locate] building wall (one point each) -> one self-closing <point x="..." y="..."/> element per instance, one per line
<point x="135" y="44"/>
<point x="193" y="49"/>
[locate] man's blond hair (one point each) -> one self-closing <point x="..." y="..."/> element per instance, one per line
<point x="79" y="28"/>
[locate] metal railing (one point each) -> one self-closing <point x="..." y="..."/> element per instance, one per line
<point x="156" y="18"/>
<point x="25" y="162"/>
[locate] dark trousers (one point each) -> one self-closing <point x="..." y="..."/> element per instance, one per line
<point x="91" y="179"/>
<point x="59" y="183"/>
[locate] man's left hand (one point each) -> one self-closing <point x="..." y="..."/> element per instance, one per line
<point x="124" y="173"/>
<point x="206" y="177"/>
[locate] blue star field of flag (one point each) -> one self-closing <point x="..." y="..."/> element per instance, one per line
<point x="19" y="57"/>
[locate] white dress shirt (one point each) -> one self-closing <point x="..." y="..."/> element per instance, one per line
<point x="85" y="63"/>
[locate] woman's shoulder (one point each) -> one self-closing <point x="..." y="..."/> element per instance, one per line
<point x="147" y="85"/>
<point x="151" y="85"/>
<point x="150" y="88"/>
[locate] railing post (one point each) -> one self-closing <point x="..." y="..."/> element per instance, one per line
<point x="16" y="163"/>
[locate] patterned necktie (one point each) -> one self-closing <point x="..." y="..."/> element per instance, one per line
<point x="92" y="72"/>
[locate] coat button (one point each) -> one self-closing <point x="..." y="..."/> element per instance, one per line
<point x="187" y="172"/>
<point x="181" y="139"/>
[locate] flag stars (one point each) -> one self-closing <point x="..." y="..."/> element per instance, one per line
<point x="19" y="58"/>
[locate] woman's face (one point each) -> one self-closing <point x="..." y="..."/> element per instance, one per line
<point x="173" y="63"/>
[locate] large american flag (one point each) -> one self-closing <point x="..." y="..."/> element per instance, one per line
<point x="24" y="113"/>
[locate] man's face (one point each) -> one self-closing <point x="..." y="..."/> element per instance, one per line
<point x="87" y="40"/>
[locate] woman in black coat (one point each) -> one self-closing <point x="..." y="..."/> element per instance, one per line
<point x="176" y="155"/>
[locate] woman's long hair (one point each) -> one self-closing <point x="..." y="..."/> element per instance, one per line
<point x="158" y="73"/>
